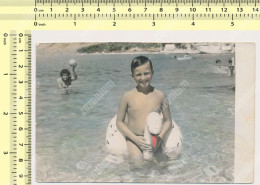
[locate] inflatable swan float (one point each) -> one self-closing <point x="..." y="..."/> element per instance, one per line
<point x="171" y="144"/>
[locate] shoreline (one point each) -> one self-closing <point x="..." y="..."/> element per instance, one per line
<point x="146" y="52"/>
<point x="72" y="48"/>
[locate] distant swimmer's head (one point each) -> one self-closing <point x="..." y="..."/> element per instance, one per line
<point x="230" y="61"/>
<point x="65" y="74"/>
<point x="142" y="71"/>
<point x="154" y="123"/>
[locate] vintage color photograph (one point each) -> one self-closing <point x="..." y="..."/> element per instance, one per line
<point x="135" y="112"/>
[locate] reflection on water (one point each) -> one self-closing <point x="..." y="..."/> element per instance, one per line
<point x="70" y="147"/>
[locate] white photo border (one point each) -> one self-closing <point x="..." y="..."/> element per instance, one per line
<point x="248" y="81"/>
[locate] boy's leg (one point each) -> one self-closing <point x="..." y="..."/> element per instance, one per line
<point x="133" y="150"/>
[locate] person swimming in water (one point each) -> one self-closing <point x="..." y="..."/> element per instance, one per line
<point x="136" y="104"/>
<point x="231" y="65"/>
<point x="218" y="63"/>
<point x="64" y="82"/>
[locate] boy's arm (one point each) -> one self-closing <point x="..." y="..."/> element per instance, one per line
<point x="166" y="116"/>
<point x="121" y="113"/>
<point x="74" y="75"/>
<point x="167" y="122"/>
<point x="59" y="83"/>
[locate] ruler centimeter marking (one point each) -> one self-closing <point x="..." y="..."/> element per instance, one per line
<point x="27" y="58"/>
<point x="43" y="13"/>
<point x="137" y="16"/>
<point x="13" y="106"/>
<point x="137" y="2"/>
<point x="20" y="107"/>
<point x="147" y="2"/>
<point x="126" y="2"/>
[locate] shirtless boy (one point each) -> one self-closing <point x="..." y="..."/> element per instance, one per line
<point x="137" y="104"/>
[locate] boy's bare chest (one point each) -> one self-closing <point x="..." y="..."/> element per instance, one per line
<point x="66" y="83"/>
<point x="144" y="103"/>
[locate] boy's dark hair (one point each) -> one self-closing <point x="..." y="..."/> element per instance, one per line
<point x="140" y="60"/>
<point x="64" y="71"/>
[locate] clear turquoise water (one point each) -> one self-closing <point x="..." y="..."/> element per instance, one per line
<point x="70" y="147"/>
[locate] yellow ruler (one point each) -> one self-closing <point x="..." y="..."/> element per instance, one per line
<point x="131" y="14"/>
<point x="18" y="18"/>
<point x="15" y="116"/>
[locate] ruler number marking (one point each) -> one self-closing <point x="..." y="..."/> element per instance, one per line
<point x="224" y="9"/>
<point x="240" y="9"/>
<point x="208" y="9"/>
<point x="193" y="9"/>
<point x="255" y="9"/>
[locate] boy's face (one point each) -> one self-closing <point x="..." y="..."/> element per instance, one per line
<point x="143" y="75"/>
<point x="65" y="76"/>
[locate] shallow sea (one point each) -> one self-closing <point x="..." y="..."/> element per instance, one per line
<point x="70" y="146"/>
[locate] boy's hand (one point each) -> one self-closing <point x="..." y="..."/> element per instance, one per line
<point x="158" y="144"/>
<point x="140" y="141"/>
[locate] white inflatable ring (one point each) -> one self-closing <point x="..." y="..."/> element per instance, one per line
<point x="116" y="142"/>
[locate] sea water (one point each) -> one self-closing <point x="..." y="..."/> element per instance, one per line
<point x="71" y="127"/>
